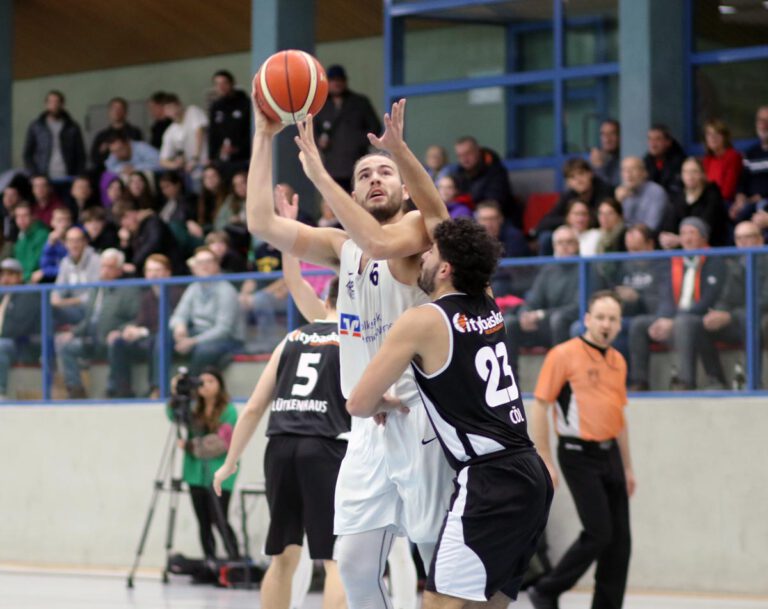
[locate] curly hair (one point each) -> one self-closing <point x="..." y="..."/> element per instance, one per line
<point x="471" y="251"/>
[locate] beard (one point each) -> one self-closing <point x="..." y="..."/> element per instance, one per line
<point x="387" y="211"/>
<point x="426" y="280"/>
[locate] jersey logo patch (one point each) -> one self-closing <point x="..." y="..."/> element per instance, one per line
<point x="482" y="325"/>
<point x="349" y="325"/>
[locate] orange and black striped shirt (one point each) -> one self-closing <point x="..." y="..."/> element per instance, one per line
<point x="588" y="386"/>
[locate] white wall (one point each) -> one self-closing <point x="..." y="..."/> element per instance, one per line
<point x="76" y="483"/>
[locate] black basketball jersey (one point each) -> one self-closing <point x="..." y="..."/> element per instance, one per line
<point x="308" y="399"/>
<point x="473" y="401"/>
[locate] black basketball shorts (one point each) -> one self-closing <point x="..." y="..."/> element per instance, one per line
<point x="497" y="513"/>
<point x="301" y="474"/>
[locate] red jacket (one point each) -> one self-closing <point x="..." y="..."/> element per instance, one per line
<point x="725" y="171"/>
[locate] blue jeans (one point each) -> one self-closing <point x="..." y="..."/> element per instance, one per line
<point x="212" y="353"/>
<point x="122" y="355"/>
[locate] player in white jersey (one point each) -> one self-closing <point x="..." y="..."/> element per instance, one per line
<point x="379" y="493"/>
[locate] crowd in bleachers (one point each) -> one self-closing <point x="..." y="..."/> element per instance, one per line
<point x="172" y="202"/>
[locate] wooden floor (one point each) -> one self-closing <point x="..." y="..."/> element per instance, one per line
<point x="23" y="589"/>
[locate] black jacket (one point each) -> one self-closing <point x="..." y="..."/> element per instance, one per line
<point x="556" y="216"/>
<point x="709" y="207"/>
<point x="347" y="129"/>
<point x="711" y="283"/>
<point x="22" y="317"/>
<point x="38" y="146"/>
<point x="230" y="118"/>
<point x="155" y="237"/>
<point x="668" y="175"/>
<point x="97" y="157"/>
<point x="489" y="181"/>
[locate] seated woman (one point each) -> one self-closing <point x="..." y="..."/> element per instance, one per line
<point x="577" y="217"/>
<point x="722" y="162"/>
<point x="699" y="198"/>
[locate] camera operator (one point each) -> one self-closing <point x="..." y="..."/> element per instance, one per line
<point x="203" y="405"/>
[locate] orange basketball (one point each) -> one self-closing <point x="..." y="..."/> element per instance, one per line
<point x="289" y="85"/>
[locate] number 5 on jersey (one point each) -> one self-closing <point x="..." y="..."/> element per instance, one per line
<point x="306" y="369"/>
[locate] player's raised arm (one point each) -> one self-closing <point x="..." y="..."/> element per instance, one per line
<point x="377" y="187"/>
<point x="249" y="419"/>
<point x="318" y="245"/>
<point x="421" y="187"/>
<point x="310" y="306"/>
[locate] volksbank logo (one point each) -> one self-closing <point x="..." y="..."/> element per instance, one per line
<point x="349" y="325"/>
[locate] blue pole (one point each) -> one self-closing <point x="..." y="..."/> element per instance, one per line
<point x="46" y="336"/>
<point x="753" y="325"/>
<point x="583" y="288"/>
<point x="162" y="337"/>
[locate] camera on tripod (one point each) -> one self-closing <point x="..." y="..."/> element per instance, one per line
<point x="183" y="396"/>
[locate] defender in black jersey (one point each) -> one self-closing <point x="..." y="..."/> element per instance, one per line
<point x="307" y="430"/>
<point x="457" y="346"/>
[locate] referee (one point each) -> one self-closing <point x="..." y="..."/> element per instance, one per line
<point x="585" y="379"/>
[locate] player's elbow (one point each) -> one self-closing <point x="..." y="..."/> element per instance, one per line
<point x="356" y="407"/>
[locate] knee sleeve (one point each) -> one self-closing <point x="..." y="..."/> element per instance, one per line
<point x="361" y="560"/>
<point x="402" y="575"/>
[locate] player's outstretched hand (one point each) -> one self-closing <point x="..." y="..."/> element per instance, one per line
<point x="394" y="122"/>
<point x="224" y="472"/>
<point x="309" y="155"/>
<point x="286" y="207"/>
<point x="261" y="123"/>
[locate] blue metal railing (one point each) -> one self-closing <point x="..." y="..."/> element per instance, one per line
<point x="581" y="265"/>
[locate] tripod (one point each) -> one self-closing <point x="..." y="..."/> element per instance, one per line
<point x="166" y="480"/>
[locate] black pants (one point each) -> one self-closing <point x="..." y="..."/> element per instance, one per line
<point x="595" y="477"/>
<point x="202" y="501"/>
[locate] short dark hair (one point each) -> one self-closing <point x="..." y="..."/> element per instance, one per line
<point x="575" y="165"/>
<point x="119" y="100"/>
<point x="333" y="291"/>
<point x="644" y="230"/>
<point x="171" y="98"/>
<point x="599" y="295"/>
<point x="158" y="97"/>
<point x="612" y="121"/>
<point x="464" y="139"/>
<point x="663" y="129"/>
<point x="226" y="74"/>
<point x="472" y="253"/>
<point x="118" y="136"/>
<point x="613" y="204"/>
<point x="58" y="94"/>
<point x="171" y="176"/>
<point x="93" y="213"/>
<point x="576" y="201"/>
<point x="376" y="152"/>
<point x="122" y="206"/>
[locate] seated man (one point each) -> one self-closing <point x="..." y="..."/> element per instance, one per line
<point x="206" y="325"/>
<point x="488" y="215"/>
<point x="727" y="319"/>
<point x="126" y="156"/>
<point x="481" y="174"/>
<point x="80" y="265"/>
<point x="551" y="305"/>
<point x="108" y="310"/>
<point x="55" y="249"/>
<point x="643" y="201"/>
<point x="45" y="199"/>
<point x="694" y="286"/>
<point x="19" y="319"/>
<point x="31" y="239"/>
<point x="752" y="195"/>
<point x="138" y="339"/>
<point x="664" y="158"/>
<point x="606" y="160"/>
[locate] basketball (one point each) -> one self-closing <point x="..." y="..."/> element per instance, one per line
<point x="289" y="85"/>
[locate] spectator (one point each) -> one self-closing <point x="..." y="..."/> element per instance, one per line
<point x="488" y="215"/>
<point x="54" y="143"/>
<point x="582" y="184"/>
<point x="327" y="217"/>
<point x="342" y="127"/>
<point x="17" y="191"/>
<point x="722" y="162"/>
<point x="551" y="305"/>
<point x="481" y="174"/>
<point x="126" y="156"/>
<point x="108" y="310"/>
<point x="265" y="301"/>
<point x="101" y="232"/>
<point x="80" y="265"/>
<point x="578" y="218"/>
<point x="31" y="238"/>
<point x="643" y="201"/>
<point x="230" y="260"/>
<point x="19" y="320"/>
<point x="436" y="162"/>
<point x="160" y="122"/>
<point x="606" y="160"/>
<point x="727" y="319"/>
<point x="694" y="286"/>
<point x="698" y="198"/>
<point x="610" y="221"/>
<point x="229" y="141"/>
<point x="141" y="191"/>
<point x="55" y="250"/>
<point x="211" y="198"/>
<point x="664" y="158"/>
<point x="138" y="339"/>
<point x="112" y="189"/>
<point x="45" y="199"/>
<point x="753" y="191"/>
<point x="117" y="113"/>
<point x="184" y="145"/>
<point x="231" y="214"/>
<point x="459" y="206"/>
<point x="177" y="212"/>
<point x="81" y="197"/>
<point x="206" y="324"/>
<point x="142" y="233"/>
